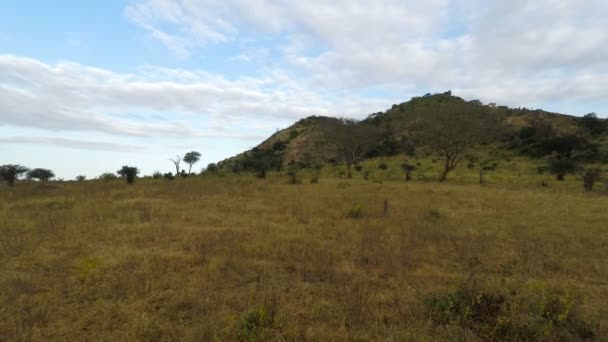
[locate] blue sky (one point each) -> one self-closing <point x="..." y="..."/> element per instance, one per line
<point x="89" y="86"/>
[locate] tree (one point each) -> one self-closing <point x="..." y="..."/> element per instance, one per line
<point x="351" y="139"/>
<point x="43" y="175"/>
<point x="128" y="172"/>
<point x="590" y="177"/>
<point x="107" y="176"/>
<point x="211" y="168"/>
<point x="452" y="129"/>
<point x="176" y="162"/>
<point x="81" y="178"/>
<point x="191" y="158"/>
<point x="592" y="124"/>
<point x="12" y="172"/>
<point x="408" y="169"/>
<point x="561" y="167"/>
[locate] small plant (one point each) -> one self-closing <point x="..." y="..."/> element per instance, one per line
<point x="355" y="212"/>
<point x="366" y="174"/>
<point x="590" y="177"/>
<point x="292" y="176"/>
<point x="408" y="169"/>
<point x="435" y="214"/>
<point x="255" y="322"/>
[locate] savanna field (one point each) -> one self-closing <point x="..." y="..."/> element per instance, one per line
<point x="230" y="257"/>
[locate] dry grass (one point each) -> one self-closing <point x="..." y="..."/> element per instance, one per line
<point x="245" y="259"/>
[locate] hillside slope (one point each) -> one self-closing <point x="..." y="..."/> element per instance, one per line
<point x="305" y="142"/>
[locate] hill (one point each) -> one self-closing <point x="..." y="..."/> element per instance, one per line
<point x="307" y="142"/>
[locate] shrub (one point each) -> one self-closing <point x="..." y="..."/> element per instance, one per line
<point x="497" y="314"/>
<point x="293" y="177"/>
<point x="408" y="169"/>
<point x="257" y="321"/>
<point x="354" y="213"/>
<point x="157" y="175"/>
<point x="81" y="178"/>
<point x="358" y="167"/>
<point x="107" y="176"/>
<point x="169" y="176"/>
<point x="590" y="177"/>
<point x="366" y="174"/>
<point x="382" y="166"/>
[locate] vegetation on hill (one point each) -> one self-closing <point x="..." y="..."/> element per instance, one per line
<point x="442" y="125"/>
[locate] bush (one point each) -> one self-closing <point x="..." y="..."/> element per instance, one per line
<point x="382" y="166"/>
<point x="497" y="314"/>
<point x="169" y="176"/>
<point x="157" y="175"/>
<point x="354" y="213"/>
<point x="293" y="177"/>
<point x="255" y="322"/>
<point x="358" y="168"/>
<point x="590" y="177"/>
<point x="107" y="176"/>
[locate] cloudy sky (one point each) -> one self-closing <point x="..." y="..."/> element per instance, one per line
<point x="89" y="86"/>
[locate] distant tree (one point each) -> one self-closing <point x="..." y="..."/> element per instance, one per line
<point x="129" y="173"/>
<point x="191" y="158"/>
<point x="211" y="168"/>
<point x="157" y="175"/>
<point x="453" y="129"/>
<point x="169" y="176"/>
<point x="107" y="176"/>
<point x="11" y="172"/>
<point x="81" y="178"/>
<point x="43" y="175"/>
<point x="560" y="167"/>
<point x="408" y="169"/>
<point x="592" y="124"/>
<point x="590" y="177"/>
<point x="566" y="146"/>
<point x="352" y="140"/>
<point x="177" y="161"/>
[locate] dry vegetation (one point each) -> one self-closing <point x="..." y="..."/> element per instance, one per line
<point x="237" y="258"/>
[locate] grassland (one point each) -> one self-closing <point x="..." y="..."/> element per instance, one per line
<point x="238" y="258"/>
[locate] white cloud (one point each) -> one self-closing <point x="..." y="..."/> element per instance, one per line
<point x="517" y="52"/>
<point x="71" y="143"/>
<point x="73" y="97"/>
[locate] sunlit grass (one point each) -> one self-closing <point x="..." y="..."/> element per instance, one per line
<point x="238" y="258"/>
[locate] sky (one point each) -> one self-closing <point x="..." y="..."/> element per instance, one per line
<point x="89" y="86"/>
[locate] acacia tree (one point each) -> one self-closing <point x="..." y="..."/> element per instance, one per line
<point x="452" y="129"/>
<point x="191" y="158"/>
<point x="43" y="175"/>
<point x="12" y="172"/>
<point x="352" y="140"/>
<point x="128" y="172"/>
<point x="176" y="162"/>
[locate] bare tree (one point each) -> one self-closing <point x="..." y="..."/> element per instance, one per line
<point x="352" y="140"/>
<point x="176" y="162"/>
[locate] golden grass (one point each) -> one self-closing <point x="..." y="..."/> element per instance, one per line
<point x="237" y="258"/>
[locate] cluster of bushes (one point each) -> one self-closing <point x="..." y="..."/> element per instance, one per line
<point x="13" y="172"/>
<point x="514" y="314"/>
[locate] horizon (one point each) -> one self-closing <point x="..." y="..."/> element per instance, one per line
<point x="88" y="87"/>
